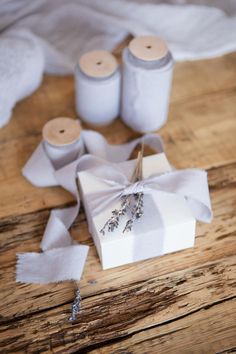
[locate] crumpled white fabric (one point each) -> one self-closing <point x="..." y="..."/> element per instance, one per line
<point x="64" y="29"/>
<point x="51" y="265"/>
<point x="22" y="63"/>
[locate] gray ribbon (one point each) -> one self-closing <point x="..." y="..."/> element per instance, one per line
<point x="189" y="183"/>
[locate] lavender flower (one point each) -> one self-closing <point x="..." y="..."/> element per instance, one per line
<point x="130" y="204"/>
<point x="137" y="211"/>
<point x="75" y="309"/>
<point x="114" y="220"/>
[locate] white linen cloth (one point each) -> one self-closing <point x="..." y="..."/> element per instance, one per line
<point x="64" y="29"/>
<point x="22" y="63"/>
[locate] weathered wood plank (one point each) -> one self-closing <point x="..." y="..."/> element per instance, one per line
<point x="200" y="132"/>
<point x="201" y="332"/>
<point x="228" y="351"/>
<point x="118" y="313"/>
<point x="23" y="233"/>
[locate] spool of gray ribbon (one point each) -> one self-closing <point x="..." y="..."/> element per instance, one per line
<point x="62" y="142"/>
<point x="147" y="78"/>
<point x="98" y="82"/>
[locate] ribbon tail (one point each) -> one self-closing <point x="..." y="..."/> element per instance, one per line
<point x="197" y="195"/>
<point x="56" y="233"/>
<point x="154" y="141"/>
<point x="97" y="145"/>
<point x="192" y="185"/>
<point x="54" y="265"/>
<point x="39" y="170"/>
<point x="62" y="259"/>
<point x="201" y="210"/>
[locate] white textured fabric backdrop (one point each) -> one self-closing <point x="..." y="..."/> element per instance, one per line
<point x="59" y="31"/>
<point x="71" y="27"/>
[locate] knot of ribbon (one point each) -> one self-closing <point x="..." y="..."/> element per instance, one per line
<point x="191" y="184"/>
<point x="133" y="188"/>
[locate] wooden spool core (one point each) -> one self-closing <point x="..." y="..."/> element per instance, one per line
<point x="148" y="48"/>
<point x="98" y="64"/>
<point x="61" y="131"/>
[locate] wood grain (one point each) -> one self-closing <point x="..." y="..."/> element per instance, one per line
<point x="200" y="332"/>
<point x="182" y="302"/>
<point x="114" y="314"/>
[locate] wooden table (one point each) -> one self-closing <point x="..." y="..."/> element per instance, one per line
<point x="179" y="303"/>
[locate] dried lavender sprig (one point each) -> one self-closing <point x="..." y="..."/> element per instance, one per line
<point x="129" y="225"/>
<point x="114" y="220"/>
<point x="75" y="308"/>
<point x="139" y="206"/>
<point x="137" y="211"/>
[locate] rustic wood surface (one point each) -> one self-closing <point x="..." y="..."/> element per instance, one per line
<point x="178" y="303"/>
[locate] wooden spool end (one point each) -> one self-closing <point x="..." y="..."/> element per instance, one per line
<point x="148" y="48"/>
<point x="61" y="131"/>
<point x="98" y="64"/>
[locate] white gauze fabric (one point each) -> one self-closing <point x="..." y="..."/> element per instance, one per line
<point x="22" y="64"/>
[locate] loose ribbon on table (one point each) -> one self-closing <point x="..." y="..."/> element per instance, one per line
<point x="62" y="258"/>
<point x="189" y="183"/>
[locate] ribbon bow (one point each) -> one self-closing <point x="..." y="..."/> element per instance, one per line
<point x="189" y="183"/>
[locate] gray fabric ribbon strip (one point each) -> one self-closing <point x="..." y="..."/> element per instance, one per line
<point x="189" y="183"/>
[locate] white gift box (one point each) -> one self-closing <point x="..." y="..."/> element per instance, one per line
<point x="166" y="226"/>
